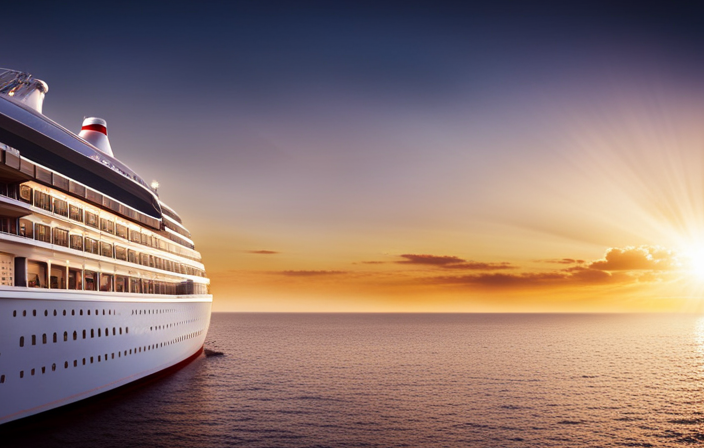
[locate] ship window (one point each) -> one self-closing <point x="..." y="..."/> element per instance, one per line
<point x="42" y="200"/>
<point x="75" y="279"/>
<point x="65" y="336"/>
<point x="26" y="228"/>
<point x="75" y="335"/>
<point x="144" y="259"/>
<point x="55" y="338"/>
<point x="54" y="312"/>
<point x="65" y="364"/>
<point x="75" y="213"/>
<point x="26" y="194"/>
<point x="91" y="245"/>
<point x="105" y="249"/>
<point x="2" y="379"/>
<point x="106" y="282"/>
<point x="120" y="283"/>
<point x="60" y="207"/>
<point x="91" y="219"/>
<point x="36" y="274"/>
<point x="21" y="373"/>
<point x="84" y="361"/>
<point x="120" y="253"/>
<point x="53" y="367"/>
<point x="61" y="237"/>
<point x="91" y="360"/>
<point x="113" y="331"/>
<point x="121" y="231"/>
<point x="34" y="339"/>
<point x="75" y="363"/>
<point x="135" y="236"/>
<point x="76" y="242"/>
<point x="42" y="233"/>
<point x="132" y="256"/>
<point x="145" y="239"/>
<point x="107" y="225"/>
<point x="58" y="277"/>
<point x="120" y="330"/>
<point x="84" y="334"/>
<point x="91" y="281"/>
<point x="44" y="338"/>
<point x="21" y="341"/>
<point x="43" y="370"/>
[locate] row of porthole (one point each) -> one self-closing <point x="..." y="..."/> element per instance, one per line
<point x="73" y="313"/>
<point x="137" y="312"/>
<point x="75" y="335"/>
<point x="164" y="327"/>
<point x="119" y="354"/>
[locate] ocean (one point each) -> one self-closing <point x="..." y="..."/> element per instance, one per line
<point x="412" y="380"/>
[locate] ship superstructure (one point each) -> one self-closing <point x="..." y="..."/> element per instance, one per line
<point x="100" y="282"/>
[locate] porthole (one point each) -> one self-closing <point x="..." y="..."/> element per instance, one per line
<point x="2" y="379"/>
<point x="96" y="312"/>
<point x="46" y="313"/>
<point x="127" y="330"/>
<point x="107" y="332"/>
<point x="32" y="372"/>
<point x="113" y="355"/>
<point x="91" y="360"/>
<point x="34" y="313"/>
<point x="21" y="373"/>
<point x="75" y="335"/>
<point x="53" y="367"/>
<point x="44" y="338"/>
<point x="43" y="370"/>
<point x="55" y="338"/>
<point x="120" y="330"/>
<point x="84" y="361"/>
<point x="54" y="312"/>
<point x="65" y="364"/>
<point x="80" y="312"/>
<point x="21" y="341"/>
<point x="73" y="312"/>
<point x="92" y="333"/>
<point x="24" y="313"/>
<point x="84" y="334"/>
<point x="65" y="336"/>
<point x="14" y="313"/>
<point x="89" y="312"/>
<point x="98" y="332"/>
<point x="98" y="358"/>
<point x="75" y="363"/>
<point x="34" y="339"/>
<point x="113" y="331"/>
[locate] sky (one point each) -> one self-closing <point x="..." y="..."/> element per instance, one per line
<point x="403" y="156"/>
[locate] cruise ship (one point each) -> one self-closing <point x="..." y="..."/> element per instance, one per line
<point x="100" y="282"/>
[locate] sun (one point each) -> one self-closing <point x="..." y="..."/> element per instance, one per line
<point x="694" y="262"/>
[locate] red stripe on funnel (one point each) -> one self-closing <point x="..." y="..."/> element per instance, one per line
<point x="95" y="127"/>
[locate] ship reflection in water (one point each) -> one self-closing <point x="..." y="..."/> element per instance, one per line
<point x="414" y="380"/>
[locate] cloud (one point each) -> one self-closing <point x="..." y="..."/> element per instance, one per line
<point x="263" y="252"/>
<point x="478" y="266"/>
<point x="373" y="262"/>
<point x="453" y="262"/>
<point x="435" y="260"/>
<point x="652" y="258"/>
<point x="310" y="273"/>
<point x="562" y="261"/>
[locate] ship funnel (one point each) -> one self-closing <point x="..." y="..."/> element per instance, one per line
<point x="23" y="88"/>
<point x="95" y="132"/>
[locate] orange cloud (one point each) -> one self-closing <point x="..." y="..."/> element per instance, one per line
<point x="435" y="260"/>
<point x="562" y="261"/>
<point x="310" y="273"/>
<point x="651" y="258"/>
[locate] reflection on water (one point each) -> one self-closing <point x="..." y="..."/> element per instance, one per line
<point x="416" y="380"/>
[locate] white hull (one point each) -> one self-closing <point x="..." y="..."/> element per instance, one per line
<point x="158" y="332"/>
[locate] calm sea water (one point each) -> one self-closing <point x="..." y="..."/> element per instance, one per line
<point x="399" y="380"/>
